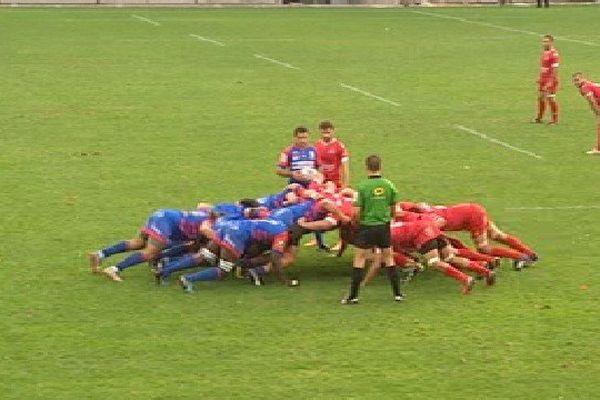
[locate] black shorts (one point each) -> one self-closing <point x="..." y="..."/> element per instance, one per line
<point x="370" y="236"/>
<point x="438" y="243"/>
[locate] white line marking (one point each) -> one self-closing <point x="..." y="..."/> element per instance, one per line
<point x="357" y="90"/>
<point x="553" y="208"/>
<point x="145" y="20"/>
<point x="504" y="28"/>
<point x="501" y="143"/>
<point x="283" y="64"/>
<point x="205" y="39"/>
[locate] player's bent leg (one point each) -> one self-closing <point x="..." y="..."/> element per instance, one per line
<point x="96" y="257"/>
<point x="433" y="260"/>
<point x="152" y="249"/>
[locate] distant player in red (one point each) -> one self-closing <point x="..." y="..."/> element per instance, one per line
<point x="548" y="80"/>
<point x="332" y="158"/>
<point x="591" y="91"/>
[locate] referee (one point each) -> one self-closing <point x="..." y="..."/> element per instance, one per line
<point x="374" y="204"/>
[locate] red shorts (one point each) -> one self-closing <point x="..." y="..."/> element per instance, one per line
<point x="551" y="83"/>
<point x="478" y="221"/>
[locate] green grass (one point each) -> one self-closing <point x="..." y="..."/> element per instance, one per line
<point x="105" y="118"/>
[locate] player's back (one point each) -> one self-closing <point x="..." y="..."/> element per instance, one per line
<point x="229" y="211"/>
<point x="272" y="201"/>
<point x="290" y="215"/>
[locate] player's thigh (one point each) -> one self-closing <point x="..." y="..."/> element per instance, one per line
<point x="494" y="232"/>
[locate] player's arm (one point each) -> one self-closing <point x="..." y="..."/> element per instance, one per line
<point x="345" y="163"/>
<point x="321" y="225"/>
<point x="336" y="212"/>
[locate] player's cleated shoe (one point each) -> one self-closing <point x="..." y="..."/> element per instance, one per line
<point x="95" y="261"/>
<point x="185" y="284"/>
<point x="519" y="264"/>
<point x="491" y="278"/>
<point x="324" y="249"/>
<point x="399" y="297"/>
<point x="112" y="273"/>
<point x="532" y="259"/>
<point x="255" y="278"/>
<point x="552" y="123"/>
<point x="311" y="243"/>
<point x="348" y="301"/>
<point x="593" y="151"/>
<point x="494" y="264"/>
<point x="466" y="289"/>
<point x="536" y="121"/>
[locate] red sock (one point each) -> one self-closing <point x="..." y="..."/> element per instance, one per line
<point x="554" y="108"/>
<point x="456" y="274"/>
<point x="505" y="253"/>
<point x="515" y="243"/>
<point x="541" y="108"/>
<point x="473" y="255"/>
<point x="476" y="267"/>
<point x="598" y="137"/>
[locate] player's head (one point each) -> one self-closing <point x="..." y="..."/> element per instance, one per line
<point x="301" y="135"/>
<point x="327" y="129"/>
<point x="547" y="42"/>
<point x="373" y="163"/>
<point x="578" y="79"/>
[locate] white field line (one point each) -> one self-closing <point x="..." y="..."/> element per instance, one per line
<point x="498" y="142"/>
<point x="274" y="61"/>
<point x="553" y="208"/>
<point x="365" y="93"/>
<point x="205" y="39"/>
<point x="145" y="20"/>
<point x="504" y="28"/>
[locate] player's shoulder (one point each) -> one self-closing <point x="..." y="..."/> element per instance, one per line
<point x="287" y="149"/>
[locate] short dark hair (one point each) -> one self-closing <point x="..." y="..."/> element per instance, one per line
<point x="326" y="125"/>
<point x="373" y="163"/>
<point x="300" y="129"/>
<point x="549" y="37"/>
<point x="575" y="74"/>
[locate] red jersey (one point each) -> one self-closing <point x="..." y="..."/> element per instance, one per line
<point x="549" y="61"/>
<point x="469" y="217"/>
<point x="411" y="236"/>
<point x="591" y="90"/>
<point x="330" y="156"/>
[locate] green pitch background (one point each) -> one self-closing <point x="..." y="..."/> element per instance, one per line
<point x="105" y="118"/>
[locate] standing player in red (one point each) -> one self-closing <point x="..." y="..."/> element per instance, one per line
<point x="548" y="80"/>
<point x="591" y="91"/>
<point x="333" y="160"/>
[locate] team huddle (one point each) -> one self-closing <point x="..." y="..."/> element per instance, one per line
<point x="257" y="237"/>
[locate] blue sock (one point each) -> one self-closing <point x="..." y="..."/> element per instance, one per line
<point x="131" y="260"/>
<point x="319" y="239"/>
<point x="208" y="274"/>
<point x="174" y="251"/>
<point x="187" y="261"/>
<point x="114" y="249"/>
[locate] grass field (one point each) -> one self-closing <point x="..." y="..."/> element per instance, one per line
<point x="105" y="117"/>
